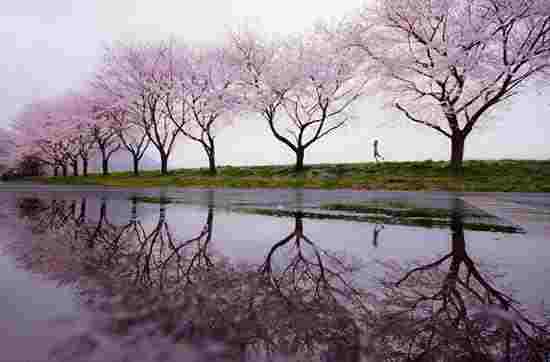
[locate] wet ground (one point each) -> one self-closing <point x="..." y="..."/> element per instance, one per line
<point x="93" y="274"/>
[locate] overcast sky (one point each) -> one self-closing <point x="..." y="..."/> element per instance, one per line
<point x="50" y="46"/>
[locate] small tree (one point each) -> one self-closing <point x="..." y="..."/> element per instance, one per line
<point x="102" y="113"/>
<point x="447" y="65"/>
<point x="107" y="143"/>
<point x="86" y="147"/>
<point x="72" y="117"/>
<point x="7" y="147"/>
<point x="80" y="114"/>
<point x="132" y="137"/>
<point x="30" y="165"/>
<point x="38" y="133"/>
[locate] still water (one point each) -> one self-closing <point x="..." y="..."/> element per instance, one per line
<point x="92" y="274"/>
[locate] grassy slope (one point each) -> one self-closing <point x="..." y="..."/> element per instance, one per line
<point x="502" y="175"/>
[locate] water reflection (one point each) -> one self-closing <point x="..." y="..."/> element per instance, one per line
<point x="451" y="308"/>
<point x="314" y="295"/>
<point x="376" y="234"/>
<point x="158" y="295"/>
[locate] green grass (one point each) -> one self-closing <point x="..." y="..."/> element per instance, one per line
<point x="500" y="175"/>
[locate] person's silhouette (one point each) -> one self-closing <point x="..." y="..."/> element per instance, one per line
<point x="377" y="154"/>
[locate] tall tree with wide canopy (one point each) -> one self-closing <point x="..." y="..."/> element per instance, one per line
<point x="303" y="86"/>
<point x="122" y="116"/>
<point x="206" y="98"/>
<point x="447" y="65"/>
<point x="144" y="76"/>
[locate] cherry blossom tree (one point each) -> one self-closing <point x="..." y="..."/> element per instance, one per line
<point x="82" y="122"/>
<point x="27" y="137"/>
<point x="303" y="87"/>
<point x="62" y="130"/>
<point x="101" y="111"/>
<point x="448" y="65"/>
<point x="38" y="134"/>
<point x="75" y="115"/>
<point x="206" y="99"/>
<point x="113" y="126"/>
<point x="86" y="147"/>
<point x="132" y="137"/>
<point x="7" y="147"/>
<point x="143" y="76"/>
<point x="107" y="143"/>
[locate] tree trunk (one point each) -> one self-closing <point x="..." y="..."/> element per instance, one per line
<point x="212" y="162"/>
<point x="299" y="167"/>
<point x="56" y="171"/>
<point x="64" y="170"/>
<point x="457" y="153"/>
<point x="163" y="163"/>
<point x="105" y="166"/>
<point x="85" y="166"/>
<point x="136" y="164"/>
<point x="75" y="168"/>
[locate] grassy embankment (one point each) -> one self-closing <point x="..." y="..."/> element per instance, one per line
<point x="502" y="175"/>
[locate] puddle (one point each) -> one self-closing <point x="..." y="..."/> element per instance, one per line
<point x="230" y="275"/>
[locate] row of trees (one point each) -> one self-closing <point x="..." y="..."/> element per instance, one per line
<point x="445" y="65"/>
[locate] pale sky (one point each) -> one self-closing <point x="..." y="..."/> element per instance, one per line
<point x="51" y="46"/>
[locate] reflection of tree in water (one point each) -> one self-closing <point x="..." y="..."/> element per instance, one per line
<point x="451" y="310"/>
<point x="65" y="237"/>
<point x="315" y="295"/>
<point x="200" y="297"/>
<point x="376" y="234"/>
<point x="157" y="258"/>
<point x="300" y="301"/>
<point x="46" y="215"/>
<point x="193" y="295"/>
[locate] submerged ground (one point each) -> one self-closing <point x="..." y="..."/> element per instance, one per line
<point x="485" y="176"/>
<point x="90" y="273"/>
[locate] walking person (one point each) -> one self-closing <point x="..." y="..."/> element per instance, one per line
<point x="377" y="154"/>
